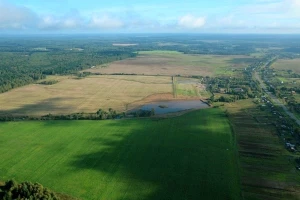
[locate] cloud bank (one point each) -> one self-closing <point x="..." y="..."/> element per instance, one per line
<point x="105" y="22"/>
<point x="16" y="17"/>
<point x="257" y="16"/>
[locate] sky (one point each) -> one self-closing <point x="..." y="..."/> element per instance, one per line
<point x="155" y="16"/>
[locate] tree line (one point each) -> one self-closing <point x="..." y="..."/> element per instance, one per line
<point x="22" y="68"/>
<point x="101" y="114"/>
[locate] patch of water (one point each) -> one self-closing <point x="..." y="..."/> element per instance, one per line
<point x="165" y="107"/>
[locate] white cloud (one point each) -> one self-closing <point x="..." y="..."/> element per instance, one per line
<point x="19" y="17"/>
<point x="70" y="23"/>
<point x="50" y="22"/>
<point x="70" y="20"/>
<point x="260" y="16"/>
<point x="294" y="3"/>
<point x="294" y="7"/>
<point x="191" y="22"/>
<point x="105" y="22"/>
<point x="16" y="17"/>
<point x="278" y="8"/>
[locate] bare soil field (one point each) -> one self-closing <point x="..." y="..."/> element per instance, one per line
<point x="287" y="64"/>
<point x="267" y="168"/>
<point x="71" y="95"/>
<point x="175" y="63"/>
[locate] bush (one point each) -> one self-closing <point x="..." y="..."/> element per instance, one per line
<point x="25" y="191"/>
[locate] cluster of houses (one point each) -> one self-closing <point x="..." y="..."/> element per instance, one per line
<point x="284" y="128"/>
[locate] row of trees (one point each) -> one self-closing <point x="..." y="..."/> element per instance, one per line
<point x="101" y="114"/>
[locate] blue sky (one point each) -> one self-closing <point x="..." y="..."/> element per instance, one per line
<point x="155" y="16"/>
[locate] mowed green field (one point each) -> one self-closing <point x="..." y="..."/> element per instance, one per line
<point x="188" y="157"/>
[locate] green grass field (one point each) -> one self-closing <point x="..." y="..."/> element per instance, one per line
<point x="187" y="157"/>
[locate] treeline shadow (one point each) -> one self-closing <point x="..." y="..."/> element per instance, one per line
<point x="44" y="107"/>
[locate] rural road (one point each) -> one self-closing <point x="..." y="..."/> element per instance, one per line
<point x="275" y="99"/>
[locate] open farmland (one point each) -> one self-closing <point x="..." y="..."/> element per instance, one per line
<point x="172" y="63"/>
<point x="287" y="64"/>
<point x="188" y="157"/>
<point x="267" y="168"/>
<point x="71" y="95"/>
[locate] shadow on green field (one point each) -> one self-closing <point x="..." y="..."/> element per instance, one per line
<point x="188" y="157"/>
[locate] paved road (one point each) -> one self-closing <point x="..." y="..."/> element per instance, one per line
<point x="275" y="99"/>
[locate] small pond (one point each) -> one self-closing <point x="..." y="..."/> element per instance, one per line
<point x="164" y="107"/>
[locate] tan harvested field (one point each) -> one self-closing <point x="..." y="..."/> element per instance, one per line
<point x="174" y="63"/>
<point x="71" y="95"/>
<point x="288" y="64"/>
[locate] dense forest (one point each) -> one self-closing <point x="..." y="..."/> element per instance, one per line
<point x="25" y="60"/>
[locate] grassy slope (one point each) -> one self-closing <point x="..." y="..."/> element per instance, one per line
<point x="186" y="157"/>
